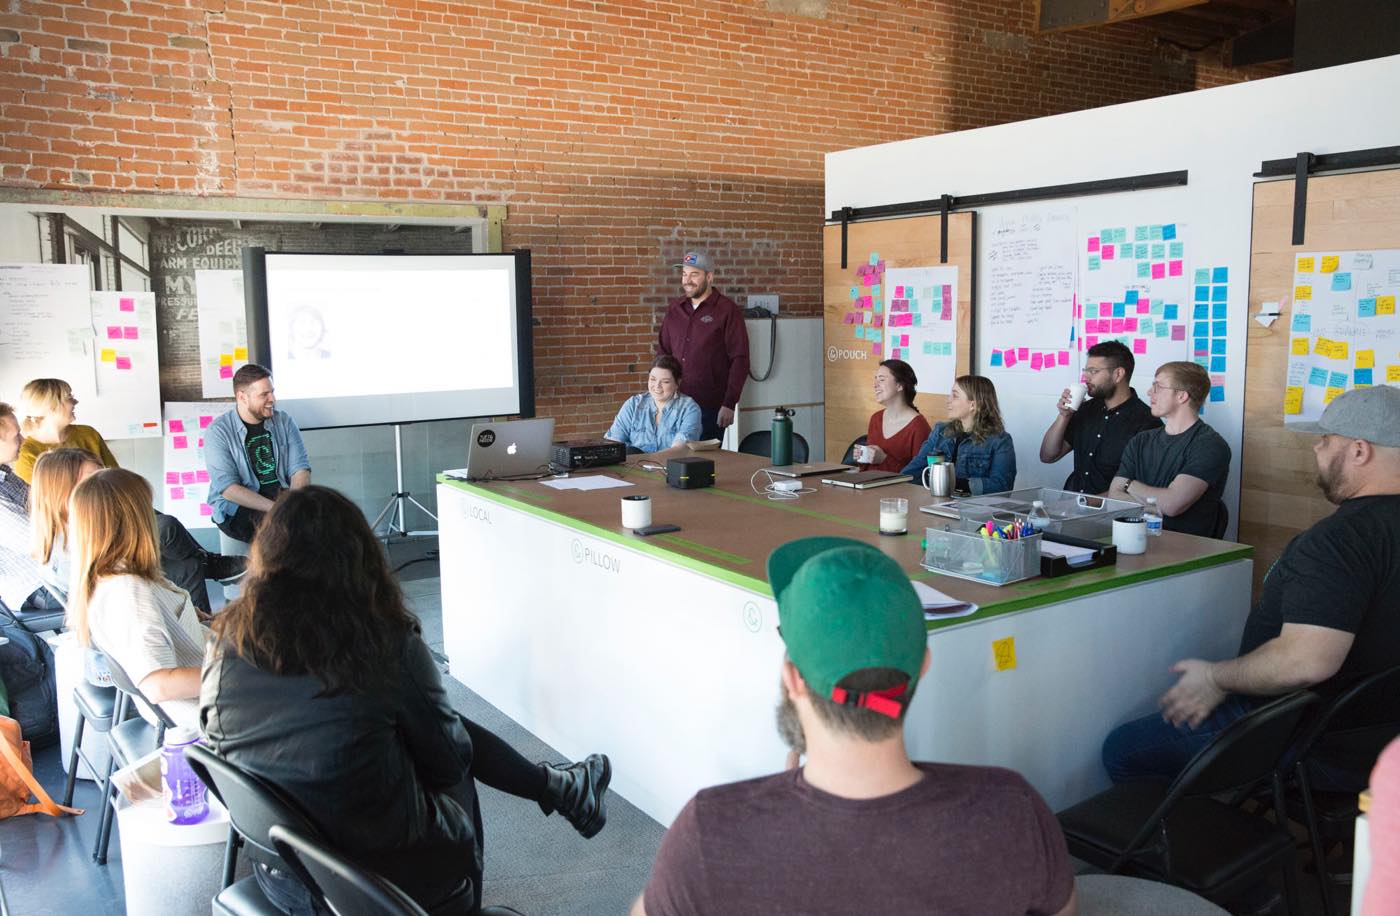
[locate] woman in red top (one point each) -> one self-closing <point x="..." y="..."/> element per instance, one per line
<point x="898" y="430"/>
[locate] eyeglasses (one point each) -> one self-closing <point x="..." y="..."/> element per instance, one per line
<point x="1091" y="371"/>
<point x="1157" y="387"/>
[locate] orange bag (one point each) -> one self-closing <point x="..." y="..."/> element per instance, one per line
<point x="17" y="780"/>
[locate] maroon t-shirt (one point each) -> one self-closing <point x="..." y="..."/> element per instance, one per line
<point x="712" y="343"/>
<point x="962" y="840"/>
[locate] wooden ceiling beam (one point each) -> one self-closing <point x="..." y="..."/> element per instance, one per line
<point x="1064" y="15"/>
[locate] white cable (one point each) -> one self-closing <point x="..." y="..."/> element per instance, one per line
<point x="771" y="490"/>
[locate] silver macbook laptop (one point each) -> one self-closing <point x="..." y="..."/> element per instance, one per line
<point x="808" y="470"/>
<point x="515" y="448"/>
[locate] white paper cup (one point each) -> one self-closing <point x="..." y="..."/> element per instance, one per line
<point x="1130" y="534"/>
<point x="636" y="511"/>
<point x="1076" y="395"/>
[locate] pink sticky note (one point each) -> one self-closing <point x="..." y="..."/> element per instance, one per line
<point x="867" y="280"/>
<point x="1106" y="252"/>
<point x="1023" y="353"/>
<point x="201" y="442"/>
<point x="876" y="349"/>
<point x="205" y="509"/>
<point x="225" y="372"/>
<point x="114" y="332"/>
<point x="947" y="312"/>
<point x="123" y="362"/>
<point x="1093" y="243"/>
<point x="187" y="477"/>
<point x="172" y="476"/>
<point x="1178" y="332"/>
<point x="904" y="340"/>
<point x="1010" y="358"/>
<point x="1144" y="307"/>
<point x="1217" y="379"/>
<point x="205" y="420"/>
<point x="1064" y="358"/>
<point x="947" y="295"/>
<point x="1174" y="268"/>
<point x="179" y="442"/>
<point x="899" y="292"/>
<point x="1116" y="327"/>
<point x="1140" y="345"/>
<point x="177" y="426"/>
<point x="1091" y="341"/>
<point x="848" y="318"/>
<point x="201" y="476"/>
<point x="879" y="321"/>
<point x="1130" y="325"/>
<point x="130" y="332"/>
<point x="126" y="304"/>
<point x="1037" y="361"/>
<point x="177" y="492"/>
<point x="1159" y="271"/>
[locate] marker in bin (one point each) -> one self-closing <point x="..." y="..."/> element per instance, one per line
<point x="1011" y="531"/>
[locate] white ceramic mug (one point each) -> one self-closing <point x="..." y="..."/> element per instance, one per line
<point x="636" y="511"/>
<point x="1076" y="395"/>
<point x="865" y="454"/>
<point x="1130" y="534"/>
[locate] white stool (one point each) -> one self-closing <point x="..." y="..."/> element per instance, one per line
<point x="172" y="869"/>
<point x="1110" y="895"/>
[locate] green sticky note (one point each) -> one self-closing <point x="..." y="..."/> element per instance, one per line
<point x="1140" y="250"/>
<point x="928" y="348"/>
<point x="1178" y="250"/>
<point x="874" y="258"/>
<point x="1159" y="251"/>
<point x="1144" y="270"/>
<point x="1139" y="233"/>
<point x="1155" y="234"/>
<point x="1093" y="262"/>
<point x="918" y="319"/>
<point x="1202" y="274"/>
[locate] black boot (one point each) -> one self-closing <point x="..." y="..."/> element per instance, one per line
<point x="223" y="567"/>
<point x="578" y="791"/>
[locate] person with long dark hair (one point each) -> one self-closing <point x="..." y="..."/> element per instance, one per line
<point x="320" y="683"/>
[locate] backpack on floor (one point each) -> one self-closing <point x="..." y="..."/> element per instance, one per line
<point x="17" y="777"/>
<point x="27" y="668"/>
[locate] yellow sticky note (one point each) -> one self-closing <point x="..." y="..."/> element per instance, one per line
<point x="1365" y="359"/>
<point x="1392" y="373"/>
<point x="1330" y="394"/>
<point x="1305" y="265"/>
<point x="1322" y="346"/>
<point x="240" y="353"/>
<point x="1300" y="346"/>
<point x="109" y="356"/>
<point x="1292" y="400"/>
<point x="225" y="359"/>
<point x="1339" y="349"/>
<point x="1385" y="305"/>
<point x="1302" y="293"/>
<point x="1004" y="651"/>
<point x="1329" y="263"/>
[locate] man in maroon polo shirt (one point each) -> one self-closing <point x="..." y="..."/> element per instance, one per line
<point x="705" y="330"/>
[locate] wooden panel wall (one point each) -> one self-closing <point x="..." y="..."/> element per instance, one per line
<point x="1278" y="495"/>
<point x="908" y="242"/>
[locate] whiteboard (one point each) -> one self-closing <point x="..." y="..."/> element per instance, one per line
<point x="223" y="329"/>
<point x="126" y="364"/>
<point x="921" y="324"/>
<point x="47" y="327"/>
<point x="184" y="493"/>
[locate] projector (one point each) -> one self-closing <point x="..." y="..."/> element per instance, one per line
<point x="587" y="453"/>
<point x="690" y="473"/>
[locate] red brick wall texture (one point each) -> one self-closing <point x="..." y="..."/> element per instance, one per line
<point x="618" y="134"/>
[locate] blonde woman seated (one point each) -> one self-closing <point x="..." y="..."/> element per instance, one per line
<point x="663" y="419"/>
<point x="120" y="602"/>
<point x="46" y="418"/>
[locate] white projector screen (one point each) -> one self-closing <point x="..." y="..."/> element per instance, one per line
<point x="354" y="340"/>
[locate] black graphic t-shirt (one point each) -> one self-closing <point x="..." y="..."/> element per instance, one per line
<point x="263" y="460"/>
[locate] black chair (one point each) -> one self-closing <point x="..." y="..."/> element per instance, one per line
<point x="35" y="620"/>
<point x="1179" y="834"/>
<point x="96" y="707"/>
<point x="1222" y="521"/>
<point x="128" y="740"/>
<point x="850" y="456"/>
<point x="761" y="443"/>
<point x="1345" y="725"/>
<point x="339" y="885"/>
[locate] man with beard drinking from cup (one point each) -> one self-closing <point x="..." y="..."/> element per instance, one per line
<point x="1098" y="429"/>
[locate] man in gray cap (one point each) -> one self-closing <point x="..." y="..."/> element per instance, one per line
<point x="705" y="330"/>
<point x="1328" y="614"/>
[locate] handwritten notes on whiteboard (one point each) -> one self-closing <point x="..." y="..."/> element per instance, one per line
<point x="1030" y="289"/>
<point x="223" y="329"/>
<point x="47" y="327"/>
<point x="1345" y="333"/>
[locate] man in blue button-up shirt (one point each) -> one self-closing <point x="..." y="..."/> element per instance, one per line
<point x="254" y="452"/>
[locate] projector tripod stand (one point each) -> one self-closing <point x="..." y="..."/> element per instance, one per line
<point x="395" y="506"/>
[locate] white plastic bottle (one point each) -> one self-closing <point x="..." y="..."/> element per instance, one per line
<point x="1038" y="517"/>
<point x="1153" y="516"/>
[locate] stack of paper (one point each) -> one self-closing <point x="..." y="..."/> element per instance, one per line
<point x="941" y="606"/>
<point x="1074" y="556"/>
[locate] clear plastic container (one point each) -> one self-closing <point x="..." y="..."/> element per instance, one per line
<point x="959" y="549"/>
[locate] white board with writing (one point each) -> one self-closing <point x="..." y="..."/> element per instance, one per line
<point x="127" y="367"/>
<point x="184" y="492"/>
<point x="1028" y="291"/>
<point x="47" y="327"/>
<point x="223" y="329"/>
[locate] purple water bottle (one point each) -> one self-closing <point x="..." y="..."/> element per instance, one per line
<point x="183" y="792"/>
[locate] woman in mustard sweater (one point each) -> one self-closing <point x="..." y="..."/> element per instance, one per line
<point x="46" y="419"/>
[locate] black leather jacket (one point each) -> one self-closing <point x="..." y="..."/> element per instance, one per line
<point x="384" y="774"/>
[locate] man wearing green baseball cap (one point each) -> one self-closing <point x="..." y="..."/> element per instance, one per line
<point x="859" y="828"/>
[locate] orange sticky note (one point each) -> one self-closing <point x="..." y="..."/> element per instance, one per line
<point x="1330" y="394"/>
<point x="240" y="353"/>
<point x="225" y="359"/>
<point x="1004" y="653"/>
<point x="1305" y="265"/>
<point x="1329" y="263"/>
<point x="1293" y="400"/>
<point x="1302" y="293"/>
<point x="1300" y="346"/>
<point x="1385" y="305"/>
<point x="1365" y="359"/>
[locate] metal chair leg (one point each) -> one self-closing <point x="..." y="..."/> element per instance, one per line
<point x="73" y="762"/>
<point x="231" y="855"/>
<point x="104" y="829"/>
<point x="1290" y="866"/>
<point x="1324" y="881"/>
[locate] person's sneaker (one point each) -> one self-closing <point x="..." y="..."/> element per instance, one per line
<point x="224" y="568"/>
<point x="578" y="791"/>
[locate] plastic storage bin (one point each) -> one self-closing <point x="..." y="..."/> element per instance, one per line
<point x="959" y="549"/>
<point x="1075" y="514"/>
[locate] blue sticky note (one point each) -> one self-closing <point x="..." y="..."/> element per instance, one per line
<point x="1093" y="262"/>
<point x="918" y="320"/>
<point x="1217" y="364"/>
<point x="1157" y="306"/>
<point x="1144" y="327"/>
<point x="1201" y="311"/>
<point x="1202" y="275"/>
<point x="928" y="351"/>
<point x="1366" y="308"/>
<point x="1318" y="377"/>
<point x="1217" y="392"/>
<point x="1341" y="282"/>
<point x="1155" y="233"/>
<point x="1130" y="296"/>
<point x="1337" y="380"/>
<point x="1219" y="293"/>
<point x="1140" y="233"/>
<point x="875" y="291"/>
<point x="860" y="332"/>
<point x="1177" y="249"/>
<point x="1201" y="361"/>
<point x="1220" y="275"/>
<point x="1091" y="310"/>
<point x="854" y="293"/>
<point x="1361" y="377"/>
<point x="1119" y="310"/>
<point x="1200" y="329"/>
<point x="1159" y="251"/>
<point x="1219" y="328"/>
<point x="1217" y="347"/>
<point x="1203" y="294"/>
<point x="1144" y="270"/>
<point x="879" y="305"/>
<point x="874" y="259"/>
<point x="1163" y="329"/>
<point x="1302" y="323"/>
<point x="1169" y="231"/>
<point x="1217" y="310"/>
<point x="1169" y="312"/>
<point x="1140" y="250"/>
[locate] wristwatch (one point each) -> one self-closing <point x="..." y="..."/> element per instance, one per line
<point x="1128" y="487"/>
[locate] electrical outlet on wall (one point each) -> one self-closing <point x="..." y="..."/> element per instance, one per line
<point x="767" y="301"/>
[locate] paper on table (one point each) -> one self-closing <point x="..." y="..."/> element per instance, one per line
<point x="940" y="606"/>
<point x="1075" y="556"/>
<point x="586" y="483"/>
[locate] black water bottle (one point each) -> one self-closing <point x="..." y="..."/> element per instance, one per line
<point x="782" y="437"/>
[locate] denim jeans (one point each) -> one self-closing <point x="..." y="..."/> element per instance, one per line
<point x="1151" y="748"/>
<point x="283" y="891"/>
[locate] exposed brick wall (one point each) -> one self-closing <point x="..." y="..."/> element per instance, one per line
<point x="618" y="134"/>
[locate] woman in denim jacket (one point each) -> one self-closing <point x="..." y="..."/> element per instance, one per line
<point x="973" y="439"/>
